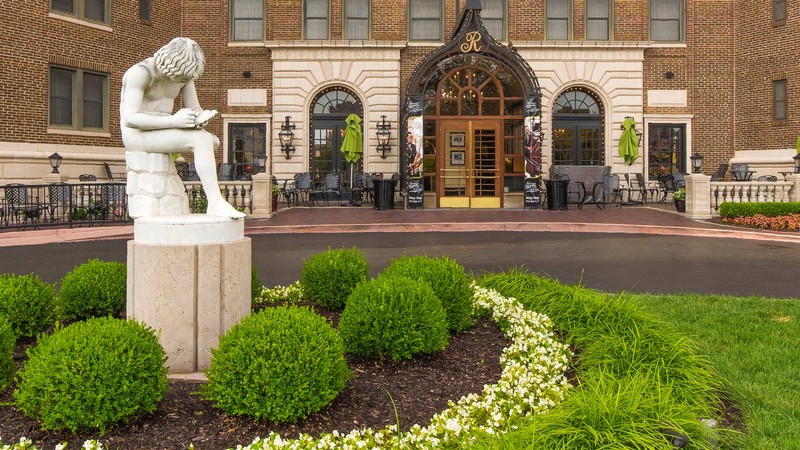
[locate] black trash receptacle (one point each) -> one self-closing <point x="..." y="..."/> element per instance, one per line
<point x="384" y="194"/>
<point x="557" y="194"/>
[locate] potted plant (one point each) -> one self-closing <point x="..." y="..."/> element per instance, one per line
<point x="679" y="197"/>
<point x="276" y="192"/>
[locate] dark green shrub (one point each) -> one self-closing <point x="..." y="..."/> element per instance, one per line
<point x="448" y="281"/>
<point x="395" y="317"/>
<point x="7" y="341"/>
<point x="28" y="303"/>
<point x="92" y="375"/>
<point x="279" y="364"/>
<point x="94" y="289"/>
<point x="329" y="277"/>
<point x="255" y="284"/>
<point x="730" y="209"/>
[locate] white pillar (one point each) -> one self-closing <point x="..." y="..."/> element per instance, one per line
<point x="794" y="191"/>
<point x="189" y="279"/>
<point x="698" y="196"/>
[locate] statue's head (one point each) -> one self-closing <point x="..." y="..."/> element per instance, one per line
<point x="182" y="59"/>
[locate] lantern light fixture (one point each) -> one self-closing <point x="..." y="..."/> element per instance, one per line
<point x="55" y="162"/>
<point x="286" y="136"/>
<point x="697" y="162"/>
<point x="383" y="134"/>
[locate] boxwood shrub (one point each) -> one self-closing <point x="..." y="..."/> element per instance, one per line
<point x="279" y="364"/>
<point x="255" y="284"/>
<point x="393" y="317"/>
<point x="730" y="209"/>
<point x="93" y="289"/>
<point x="448" y="281"/>
<point x="329" y="277"/>
<point x="28" y="303"/>
<point x="91" y="375"/>
<point x="7" y="342"/>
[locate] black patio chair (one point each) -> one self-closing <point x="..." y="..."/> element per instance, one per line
<point x="302" y="186"/>
<point x="227" y="172"/>
<point x="741" y="172"/>
<point x="768" y="178"/>
<point x="668" y="186"/>
<point x="86" y="177"/>
<point x="113" y="202"/>
<point x="333" y="185"/>
<point x="59" y="196"/>
<point x="115" y="176"/>
<point x="719" y="175"/>
<point x="20" y="204"/>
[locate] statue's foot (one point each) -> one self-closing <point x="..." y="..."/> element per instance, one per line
<point x="224" y="209"/>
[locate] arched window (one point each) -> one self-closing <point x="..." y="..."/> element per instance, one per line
<point x="578" y="129"/>
<point x="329" y="110"/>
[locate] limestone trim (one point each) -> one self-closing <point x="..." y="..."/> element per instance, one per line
<point x="335" y="44"/>
<point x="80" y="22"/>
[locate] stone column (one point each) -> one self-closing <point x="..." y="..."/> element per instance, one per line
<point x="189" y="279"/>
<point x="794" y="191"/>
<point x="262" y="195"/>
<point x="698" y="196"/>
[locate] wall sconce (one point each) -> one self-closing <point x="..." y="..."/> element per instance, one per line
<point x="247" y="74"/>
<point x="55" y="162"/>
<point x="383" y="135"/>
<point x="261" y="163"/>
<point x="697" y="162"/>
<point x="796" y="159"/>
<point x="286" y="136"/>
<point x="669" y="74"/>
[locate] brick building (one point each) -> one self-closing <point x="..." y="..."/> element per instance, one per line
<point x="464" y="77"/>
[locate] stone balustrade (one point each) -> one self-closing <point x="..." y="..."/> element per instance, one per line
<point x="703" y="196"/>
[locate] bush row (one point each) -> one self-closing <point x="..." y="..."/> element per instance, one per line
<point x="730" y="209"/>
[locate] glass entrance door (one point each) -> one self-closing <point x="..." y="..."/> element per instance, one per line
<point x="469" y="174"/>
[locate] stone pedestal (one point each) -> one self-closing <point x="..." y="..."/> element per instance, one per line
<point x="698" y="196"/>
<point x="154" y="187"/>
<point x="189" y="279"/>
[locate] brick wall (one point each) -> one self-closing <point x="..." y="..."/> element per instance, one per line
<point x="32" y="40"/>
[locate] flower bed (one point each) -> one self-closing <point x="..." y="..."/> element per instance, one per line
<point x="532" y="381"/>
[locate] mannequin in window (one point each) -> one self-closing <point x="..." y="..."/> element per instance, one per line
<point x="147" y="123"/>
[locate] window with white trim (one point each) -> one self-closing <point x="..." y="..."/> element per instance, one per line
<point x="317" y="23"/>
<point x="666" y="20"/>
<point x="78" y="99"/>
<point x="598" y="20"/>
<point x="558" y="19"/>
<point x="93" y="10"/>
<point x="425" y="20"/>
<point x="356" y="19"/>
<point x="247" y="20"/>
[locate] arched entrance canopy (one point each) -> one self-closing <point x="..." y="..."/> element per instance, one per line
<point x="469" y="98"/>
<point x="469" y="42"/>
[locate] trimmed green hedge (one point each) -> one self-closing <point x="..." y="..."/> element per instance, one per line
<point x="28" y="303"/>
<point x="93" y="289"/>
<point x="329" y="277"/>
<point x="730" y="209"/>
<point x="7" y="342"/>
<point x="92" y="375"/>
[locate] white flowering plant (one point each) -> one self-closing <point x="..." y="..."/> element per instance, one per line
<point x="290" y="295"/>
<point x="532" y="382"/>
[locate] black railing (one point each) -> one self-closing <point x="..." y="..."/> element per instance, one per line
<point x="62" y="204"/>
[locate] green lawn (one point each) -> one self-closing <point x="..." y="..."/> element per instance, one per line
<point x="754" y="343"/>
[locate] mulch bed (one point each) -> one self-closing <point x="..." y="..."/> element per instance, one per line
<point x="420" y="388"/>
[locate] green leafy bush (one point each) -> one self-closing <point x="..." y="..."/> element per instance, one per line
<point x="448" y="281"/>
<point x="730" y="209"/>
<point x="28" y="303"/>
<point x="94" y="289"/>
<point x="393" y="316"/>
<point x="279" y="364"/>
<point x="92" y="375"/>
<point x="329" y="277"/>
<point x="255" y="284"/>
<point x="7" y="342"/>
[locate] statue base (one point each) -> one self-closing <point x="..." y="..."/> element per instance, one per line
<point x="189" y="279"/>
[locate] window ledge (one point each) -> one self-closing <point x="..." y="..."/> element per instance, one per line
<point x="78" y="133"/>
<point x="77" y="21"/>
<point x="778" y="123"/>
<point x="779" y="23"/>
<point x="336" y="44"/>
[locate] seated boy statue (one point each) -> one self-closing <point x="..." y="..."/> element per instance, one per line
<point x="149" y="91"/>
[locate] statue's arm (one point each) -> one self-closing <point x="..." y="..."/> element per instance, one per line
<point x="190" y="100"/>
<point x="133" y="112"/>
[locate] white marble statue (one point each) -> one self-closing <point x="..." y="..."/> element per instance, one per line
<point x="147" y="121"/>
